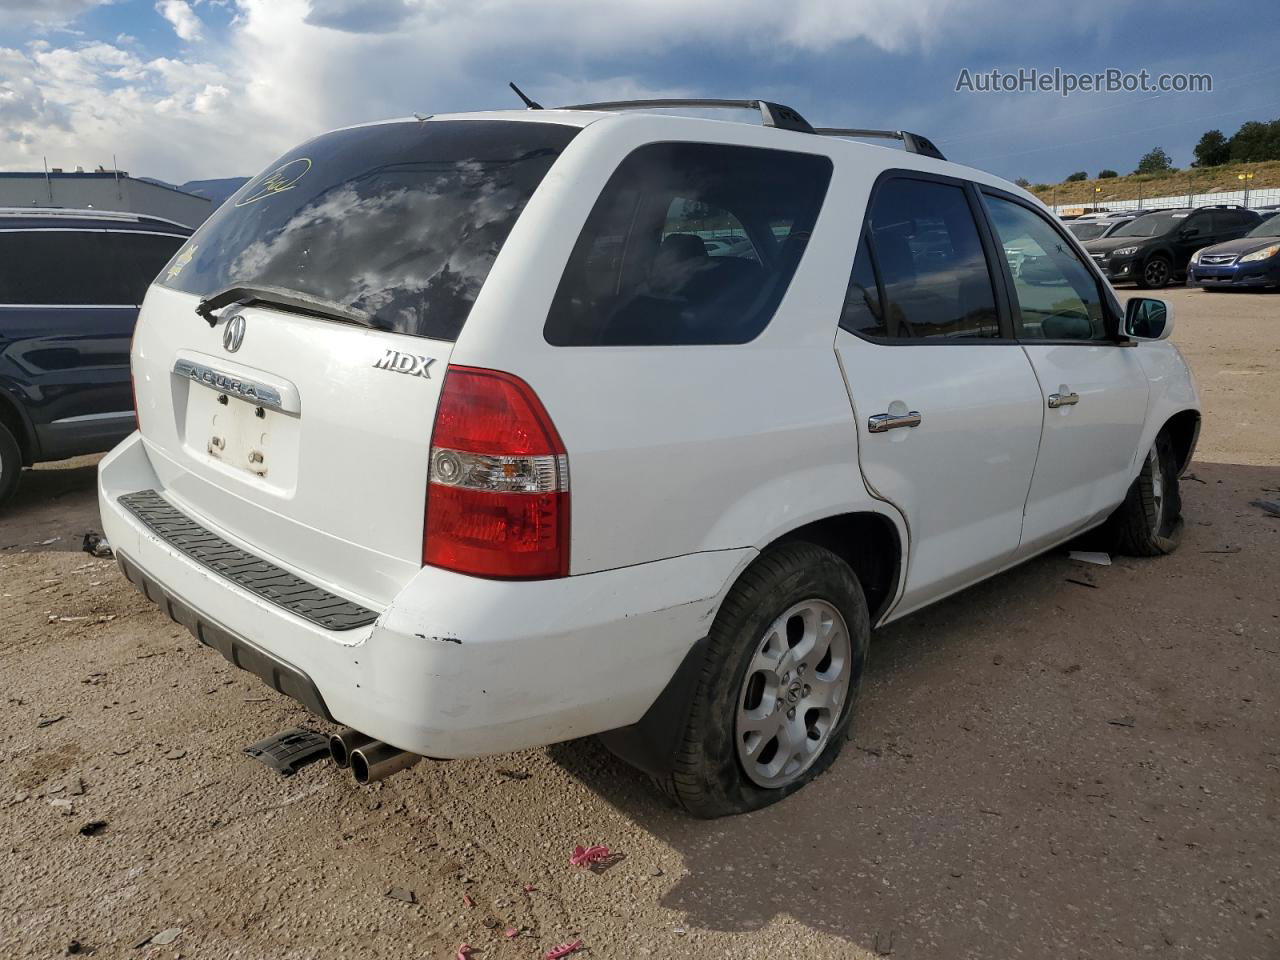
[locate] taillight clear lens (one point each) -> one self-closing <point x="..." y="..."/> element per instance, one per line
<point x="498" y="486"/>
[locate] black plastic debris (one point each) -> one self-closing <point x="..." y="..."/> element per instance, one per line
<point x="288" y="752"/>
<point x="95" y="544"/>
<point x="93" y="828"/>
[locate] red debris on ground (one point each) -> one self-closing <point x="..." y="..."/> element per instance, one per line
<point x="464" y="952"/>
<point x="511" y="933"/>
<point x="555" y="953"/>
<point x="467" y="901"/>
<point x="530" y="888"/>
<point x="586" y="856"/>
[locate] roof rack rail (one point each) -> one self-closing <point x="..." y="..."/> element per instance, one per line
<point x="777" y="115"/>
<point x="1220" y="206"/>
<point x="81" y="213"/>
<point x="772" y="114"/>
<point x="912" y="142"/>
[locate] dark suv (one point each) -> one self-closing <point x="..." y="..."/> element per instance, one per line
<point x="71" y="282"/>
<point x="1154" y="250"/>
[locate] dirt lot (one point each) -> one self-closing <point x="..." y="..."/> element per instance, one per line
<point x="1040" y="769"/>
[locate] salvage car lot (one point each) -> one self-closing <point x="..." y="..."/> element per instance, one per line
<point x="1067" y="760"/>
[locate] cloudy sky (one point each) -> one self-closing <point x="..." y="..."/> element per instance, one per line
<point x="189" y="89"/>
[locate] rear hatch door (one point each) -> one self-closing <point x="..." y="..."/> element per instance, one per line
<point x="295" y="415"/>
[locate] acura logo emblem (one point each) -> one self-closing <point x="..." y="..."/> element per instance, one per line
<point x="233" y="333"/>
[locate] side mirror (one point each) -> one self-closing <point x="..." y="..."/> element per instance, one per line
<point x="1190" y="233"/>
<point x="1146" y="318"/>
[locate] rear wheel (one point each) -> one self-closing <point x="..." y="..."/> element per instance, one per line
<point x="1156" y="272"/>
<point x="1149" y="522"/>
<point x="784" y="666"/>
<point x="10" y="464"/>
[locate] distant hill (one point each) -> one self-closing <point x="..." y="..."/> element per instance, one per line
<point x="214" y="190"/>
<point x="1200" y="182"/>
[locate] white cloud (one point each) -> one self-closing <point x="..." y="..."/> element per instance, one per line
<point x="185" y="23"/>
<point x="285" y="70"/>
<point x="43" y="13"/>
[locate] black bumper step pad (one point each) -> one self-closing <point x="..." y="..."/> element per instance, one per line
<point x="254" y="574"/>
<point x="288" y="752"/>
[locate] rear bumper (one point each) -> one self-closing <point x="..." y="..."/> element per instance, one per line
<point x="455" y="666"/>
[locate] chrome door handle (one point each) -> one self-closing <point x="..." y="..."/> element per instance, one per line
<point x="1057" y="400"/>
<point x="888" y="421"/>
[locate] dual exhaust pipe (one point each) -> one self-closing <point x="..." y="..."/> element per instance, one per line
<point x="370" y="760"/>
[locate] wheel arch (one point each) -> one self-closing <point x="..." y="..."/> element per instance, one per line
<point x="866" y="540"/>
<point x="1183" y="429"/>
<point x="873" y="546"/>
<point x="13" y="417"/>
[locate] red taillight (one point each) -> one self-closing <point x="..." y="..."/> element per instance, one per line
<point x="498" y="487"/>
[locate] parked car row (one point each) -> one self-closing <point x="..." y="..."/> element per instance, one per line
<point x="1217" y="246"/>
<point x="71" y="282"/>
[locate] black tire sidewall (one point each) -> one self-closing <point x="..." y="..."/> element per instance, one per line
<point x="784" y="577"/>
<point x="10" y="464"/>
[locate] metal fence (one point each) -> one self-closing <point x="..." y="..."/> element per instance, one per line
<point x="1256" y="198"/>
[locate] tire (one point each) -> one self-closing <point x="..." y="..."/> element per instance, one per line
<point x="1156" y="273"/>
<point x="1149" y="522"/>
<point x="782" y="603"/>
<point x="10" y="464"/>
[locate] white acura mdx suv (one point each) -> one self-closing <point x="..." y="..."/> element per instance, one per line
<point x="484" y="431"/>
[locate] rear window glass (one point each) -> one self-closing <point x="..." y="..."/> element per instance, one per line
<point x="401" y="221"/>
<point x="688" y="243"/>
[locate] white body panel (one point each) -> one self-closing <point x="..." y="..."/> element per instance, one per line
<point x="534" y="663"/>
<point x="685" y="463"/>
<point x="1087" y="455"/>
<point x="961" y="476"/>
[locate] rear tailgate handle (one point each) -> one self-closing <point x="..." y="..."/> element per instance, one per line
<point x="881" y="422"/>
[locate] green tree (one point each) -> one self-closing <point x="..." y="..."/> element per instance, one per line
<point x="1041" y="187"/>
<point x="1024" y="183"/>
<point x="1256" y="141"/>
<point x="1107" y="174"/>
<point x="1155" y="161"/>
<point x="1213" y="150"/>
<point x="1076" y="177"/>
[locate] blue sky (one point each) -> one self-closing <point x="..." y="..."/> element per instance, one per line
<point x="188" y="89"/>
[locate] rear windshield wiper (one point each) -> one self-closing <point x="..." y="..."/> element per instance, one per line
<point x="286" y="300"/>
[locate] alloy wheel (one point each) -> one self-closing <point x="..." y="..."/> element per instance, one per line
<point x="793" y="693"/>
<point x="1156" y="273"/>
<point x="1157" y="489"/>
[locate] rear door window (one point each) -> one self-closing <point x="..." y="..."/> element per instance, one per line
<point x="934" y="281"/>
<point x="400" y="221"/>
<point x="688" y="243"/>
<point x="58" y="267"/>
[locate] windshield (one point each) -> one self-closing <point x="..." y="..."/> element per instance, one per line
<point x="1088" y="230"/>
<point x="1152" y="225"/>
<point x="1269" y="227"/>
<point x="401" y="221"/>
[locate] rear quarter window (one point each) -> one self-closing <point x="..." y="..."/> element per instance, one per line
<point x="688" y="243"/>
<point x="401" y="221"/>
<point x="60" y="267"/>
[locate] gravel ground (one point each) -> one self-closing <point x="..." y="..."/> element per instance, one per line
<point x="1040" y="768"/>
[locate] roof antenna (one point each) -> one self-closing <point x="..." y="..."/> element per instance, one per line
<point x="531" y="104"/>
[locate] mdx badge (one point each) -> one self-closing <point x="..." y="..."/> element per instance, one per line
<point x="407" y="363"/>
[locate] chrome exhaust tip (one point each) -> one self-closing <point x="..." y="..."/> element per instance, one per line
<point x="376" y="761"/>
<point x="343" y="742"/>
